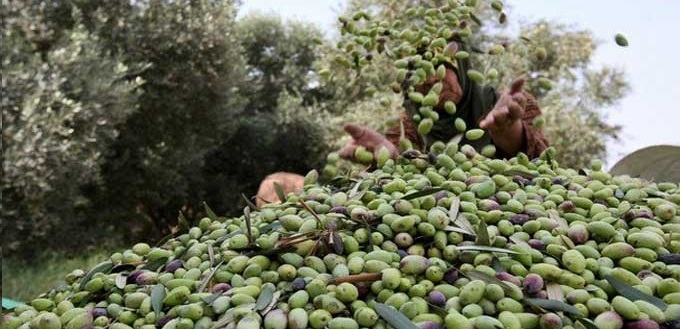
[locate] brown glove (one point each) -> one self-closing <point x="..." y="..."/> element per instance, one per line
<point x="368" y="138"/>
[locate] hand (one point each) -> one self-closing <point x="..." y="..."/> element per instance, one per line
<point x="504" y="122"/>
<point x="508" y="111"/>
<point x="368" y="138"/>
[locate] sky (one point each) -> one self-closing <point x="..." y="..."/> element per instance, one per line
<point x="649" y="114"/>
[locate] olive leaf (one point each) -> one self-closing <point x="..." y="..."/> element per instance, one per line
<point x="279" y="192"/>
<point x="462" y="222"/>
<point x="588" y="323"/>
<point x="489" y="249"/>
<point x="272" y="304"/>
<point x="226" y="318"/>
<point x="266" y="296"/>
<point x="634" y="294"/>
<point x="154" y="265"/>
<point x="270" y="227"/>
<point x="479" y="275"/>
<point x="249" y="230"/>
<point x="496" y="265"/>
<point x="352" y="193"/>
<point x="455" y="208"/>
<point x="554" y="291"/>
<point x="182" y="223"/>
<point x="517" y="172"/>
<point x="395" y="318"/>
<point x="227" y="236"/>
<point x="313" y="213"/>
<point x="456" y="139"/>
<point x="520" y="242"/>
<point x="482" y="234"/>
<point x="103" y="267"/>
<point x="211" y="255"/>
<point x="422" y="193"/>
<point x="207" y="278"/>
<point x="450" y="228"/>
<point x="121" y="280"/>
<point x="209" y="212"/>
<point x="157" y="296"/>
<point x="554" y="305"/>
<point x="212" y="298"/>
<point x="249" y="203"/>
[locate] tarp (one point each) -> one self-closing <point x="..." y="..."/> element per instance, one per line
<point x="10" y="304"/>
<point x="659" y="163"/>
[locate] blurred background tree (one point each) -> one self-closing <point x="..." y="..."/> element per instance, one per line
<point x="119" y="114"/>
<point x="93" y="153"/>
<point x="61" y="109"/>
<point x="189" y="100"/>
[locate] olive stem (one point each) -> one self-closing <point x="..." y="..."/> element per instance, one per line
<point x="363" y="277"/>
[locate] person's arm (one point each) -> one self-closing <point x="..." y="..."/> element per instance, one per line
<point x="534" y="141"/>
<point x="510" y="123"/>
<point x="393" y="133"/>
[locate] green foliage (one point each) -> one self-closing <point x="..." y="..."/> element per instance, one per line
<point x="188" y="108"/>
<point x="279" y="58"/>
<point x="94" y="154"/>
<point x="59" y="115"/>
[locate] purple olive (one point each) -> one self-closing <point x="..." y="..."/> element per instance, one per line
<point x="451" y="276"/>
<point x="98" y="311"/>
<point x="298" y="284"/>
<point x="428" y="325"/>
<point x="174" y="265"/>
<point x="558" y="181"/>
<point x="542" y="294"/>
<point x="533" y="283"/>
<point x="505" y="276"/>
<point x="220" y="287"/>
<point x="339" y="210"/>
<point x="578" y="233"/>
<point x="567" y="206"/>
<point x="536" y="244"/>
<point x="162" y="321"/>
<point x="550" y="321"/>
<point x="132" y="277"/>
<point x="519" y="219"/>
<point x="437" y="298"/>
<point x="440" y="195"/>
<point x="641" y="324"/>
<point x="146" y="278"/>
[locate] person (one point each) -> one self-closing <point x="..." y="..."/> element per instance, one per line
<point x="506" y="116"/>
